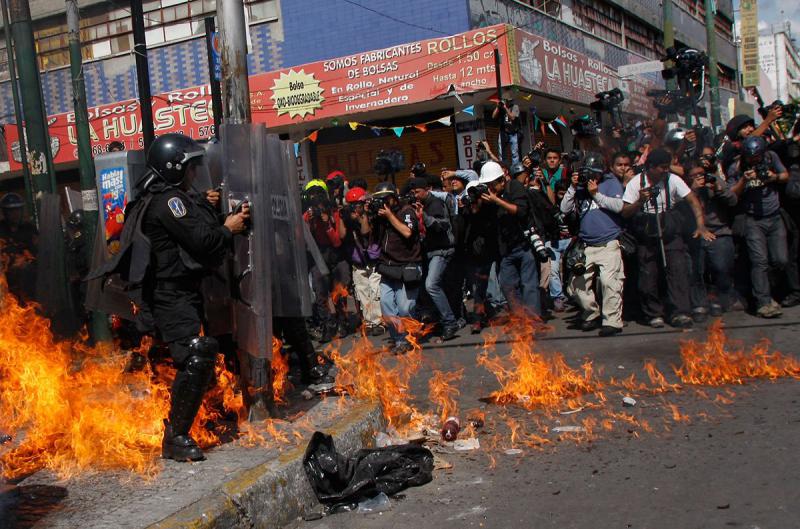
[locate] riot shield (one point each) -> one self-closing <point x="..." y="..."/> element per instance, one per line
<point x="118" y="174"/>
<point x="216" y="286"/>
<point x="291" y="293"/>
<point x="244" y="157"/>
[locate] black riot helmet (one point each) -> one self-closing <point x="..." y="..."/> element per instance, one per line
<point x="75" y="219"/>
<point x="385" y="189"/>
<point x="11" y="201"/>
<point x="171" y="154"/>
<point x="593" y="164"/>
<point x="753" y="147"/>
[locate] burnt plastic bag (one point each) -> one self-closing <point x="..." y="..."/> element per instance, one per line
<point x="337" y="479"/>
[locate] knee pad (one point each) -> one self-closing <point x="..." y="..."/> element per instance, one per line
<point x="204" y="347"/>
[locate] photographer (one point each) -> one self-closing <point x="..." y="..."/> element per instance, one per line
<point x="518" y="271"/>
<point x="621" y="167"/>
<point x="717" y="256"/>
<point x="653" y="198"/>
<point x="324" y="223"/>
<point x="439" y="247"/>
<point x="400" y="262"/>
<point x="755" y="179"/>
<point x="510" y="126"/>
<point x="355" y="232"/>
<point x="596" y="198"/>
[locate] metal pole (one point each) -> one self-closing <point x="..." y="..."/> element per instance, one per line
<point x="233" y="41"/>
<point x="713" y="72"/>
<point x="23" y="149"/>
<point x="216" y="96"/>
<point x="41" y="166"/>
<point x="99" y="321"/>
<point x="669" y="33"/>
<point x="142" y="73"/>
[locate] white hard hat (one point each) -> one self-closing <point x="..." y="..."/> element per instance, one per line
<point x="490" y="172"/>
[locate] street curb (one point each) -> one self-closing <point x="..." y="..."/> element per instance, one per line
<point x="273" y="494"/>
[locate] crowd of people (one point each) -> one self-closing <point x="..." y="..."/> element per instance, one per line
<point x="660" y="224"/>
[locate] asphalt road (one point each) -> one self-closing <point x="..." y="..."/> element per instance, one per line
<point x="720" y="464"/>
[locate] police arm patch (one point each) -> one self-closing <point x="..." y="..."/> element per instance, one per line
<point x="177" y="207"/>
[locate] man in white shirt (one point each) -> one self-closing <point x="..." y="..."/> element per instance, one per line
<point x="648" y="197"/>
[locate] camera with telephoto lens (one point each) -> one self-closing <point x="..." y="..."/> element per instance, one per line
<point x="409" y="198"/>
<point x="537" y="244"/>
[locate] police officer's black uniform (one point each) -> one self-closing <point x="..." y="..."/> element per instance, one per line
<point x="169" y="242"/>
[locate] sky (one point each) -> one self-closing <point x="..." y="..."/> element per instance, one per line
<point x="774" y="11"/>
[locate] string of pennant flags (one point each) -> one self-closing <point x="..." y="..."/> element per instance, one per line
<point x="378" y="130"/>
<point x="447" y="121"/>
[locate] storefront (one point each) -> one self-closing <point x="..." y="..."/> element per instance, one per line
<point x="430" y="100"/>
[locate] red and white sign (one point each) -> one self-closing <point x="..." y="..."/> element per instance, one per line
<point x="362" y="82"/>
<point x="554" y="69"/>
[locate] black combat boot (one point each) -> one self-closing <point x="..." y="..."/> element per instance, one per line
<point x="187" y="394"/>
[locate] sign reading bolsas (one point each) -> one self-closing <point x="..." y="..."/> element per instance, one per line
<point x="554" y="69"/>
<point x="399" y="75"/>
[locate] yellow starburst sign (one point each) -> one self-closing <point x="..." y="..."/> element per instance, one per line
<point x="297" y="93"/>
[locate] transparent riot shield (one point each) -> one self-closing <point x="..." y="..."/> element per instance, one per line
<point x="291" y="293"/>
<point x="244" y="157"/>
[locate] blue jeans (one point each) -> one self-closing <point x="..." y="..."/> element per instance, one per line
<point x="556" y="287"/>
<point x="494" y="296"/>
<point x="766" y="242"/>
<point x="717" y="257"/>
<point x="519" y="279"/>
<point x="513" y="146"/>
<point x="397" y="301"/>
<point x="434" y="285"/>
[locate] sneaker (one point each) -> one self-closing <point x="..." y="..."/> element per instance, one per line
<point x="608" y="330"/>
<point x="401" y="348"/>
<point x="559" y="305"/>
<point x="792" y="300"/>
<point x="590" y="325"/>
<point x="699" y="315"/>
<point x="476" y="327"/>
<point x="737" y="306"/>
<point x="715" y="310"/>
<point x="768" y="311"/>
<point x="656" y="322"/>
<point x="377" y="330"/>
<point x="681" y="321"/>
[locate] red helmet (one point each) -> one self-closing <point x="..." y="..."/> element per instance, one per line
<point x="356" y="194"/>
<point x="335" y="174"/>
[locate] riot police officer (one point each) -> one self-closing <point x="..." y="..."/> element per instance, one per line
<point x="186" y="240"/>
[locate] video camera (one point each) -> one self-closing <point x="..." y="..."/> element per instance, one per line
<point x="608" y="100"/>
<point x="535" y="156"/>
<point x="689" y="70"/>
<point x="388" y="163"/>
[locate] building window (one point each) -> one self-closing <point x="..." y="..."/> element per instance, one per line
<point x="107" y="28"/>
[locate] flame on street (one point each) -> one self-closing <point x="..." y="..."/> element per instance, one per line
<point x="719" y="361"/>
